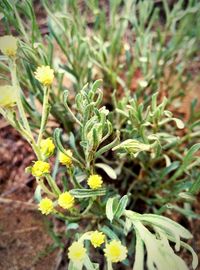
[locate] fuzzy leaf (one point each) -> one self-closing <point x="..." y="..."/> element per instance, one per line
<point x="86" y="193"/>
<point x="109" y="208"/>
<point x="107" y="169"/>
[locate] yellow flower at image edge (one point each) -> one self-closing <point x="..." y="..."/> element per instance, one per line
<point x="8" y="45"/>
<point x="95" y="181"/>
<point x="66" y="159"/>
<point x="76" y="252"/>
<point x="44" y="75"/>
<point x="66" y="200"/>
<point x="47" y="147"/>
<point x="8" y="96"/>
<point x="46" y="206"/>
<point x="97" y="238"/>
<point x="115" y="251"/>
<point x="40" y="168"/>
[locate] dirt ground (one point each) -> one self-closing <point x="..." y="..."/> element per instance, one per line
<point x="25" y="243"/>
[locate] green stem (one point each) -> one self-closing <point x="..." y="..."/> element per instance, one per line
<point x="53" y="185"/>
<point x="19" y="102"/>
<point x="44" y="188"/>
<point x="27" y="130"/>
<point x="87" y="209"/>
<point x="109" y="264"/>
<point x="73" y="179"/>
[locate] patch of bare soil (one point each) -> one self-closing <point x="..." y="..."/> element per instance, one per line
<point x="24" y="240"/>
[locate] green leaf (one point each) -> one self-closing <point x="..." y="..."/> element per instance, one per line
<point x="121" y="206"/>
<point x="186" y="161"/>
<point x="96" y="85"/>
<point x="195" y="188"/>
<point x="110" y="233"/>
<point x="172" y="167"/>
<point x="107" y="169"/>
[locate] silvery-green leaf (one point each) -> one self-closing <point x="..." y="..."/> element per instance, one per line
<point x="167" y="224"/>
<point x="160" y="256"/>
<point x="37" y="194"/>
<point x="107" y="169"/>
<point x="179" y="123"/>
<point x="73" y="266"/>
<point x="109" y="208"/>
<point x="86" y="193"/>
<point x="132" y="146"/>
<point x="139" y="253"/>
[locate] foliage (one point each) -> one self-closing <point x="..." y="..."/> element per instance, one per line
<point x="100" y="74"/>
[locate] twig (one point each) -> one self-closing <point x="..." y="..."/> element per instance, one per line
<point x="18" y="204"/>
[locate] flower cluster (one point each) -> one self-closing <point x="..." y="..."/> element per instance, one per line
<point x="47" y="147"/>
<point x="8" y="96"/>
<point x="95" y="181"/>
<point x="77" y="252"/>
<point x="66" y="159"/>
<point x="97" y="238"/>
<point x="65" y="200"/>
<point x="114" y="251"/>
<point x="46" y="206"/>
<point x="40" y="168"/>
<point x="44" y="75"/>
<point x="8" y="45"/>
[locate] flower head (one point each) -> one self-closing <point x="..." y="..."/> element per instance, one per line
<point x="115" y="251"/>
<point x="76" y="252"/>
<point x="44" y="75"/>
<point x="8" y="45"/>
<point x="66" y="200"/>
<point x="47" y="147"/>
<point x="40" y="168"/>
<point x="97" y="238"/>
<point x="95" y="181"/>
<point x="66" y="159"/>
<point x="7" y="95"/>
<point x="46" y="206"/>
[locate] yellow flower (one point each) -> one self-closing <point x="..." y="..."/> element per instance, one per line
<point x="47" y="147"/>
<point x="76" y="252"/>
<point x="44" y="75"/>
<point x="95" y="181"/>
<point x="115" y="251"/>
<point x="66" y="159"/>
<point x="46" y="206"/>
<point x="66" y="200"/>
<point x="8" y="45"/>
<point x="40" y="168"/>
<point x="97" y="238"/>
<point x="7" y="95"/>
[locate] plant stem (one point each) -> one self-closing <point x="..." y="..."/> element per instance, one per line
<point x="44" y="114"/>
<point x="44" y="188"/>
<point x="53" y="185"/>
<point x="19" y="102"/>
<point x="109" y="263"/>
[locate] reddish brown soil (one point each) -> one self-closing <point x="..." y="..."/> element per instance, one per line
<point x="24" y="240"/>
